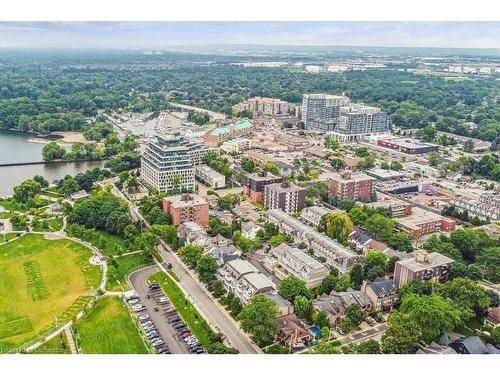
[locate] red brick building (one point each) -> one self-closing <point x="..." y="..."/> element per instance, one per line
<point x="355" y="186"/>
<point x="422" y="222"/>
<point x="186" y="207"/>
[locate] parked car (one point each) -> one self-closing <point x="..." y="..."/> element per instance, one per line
<point x="129" y="298"/>
<point x="187" y="334"/>
<point x="154" y="286"/>
<point x="143" y="317"/>
<point x="339" y="330"/>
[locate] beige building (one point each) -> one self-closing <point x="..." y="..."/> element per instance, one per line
<point x="265" y="105"/>
<point x="424" y="266"/>
<point x="299" y="264"/>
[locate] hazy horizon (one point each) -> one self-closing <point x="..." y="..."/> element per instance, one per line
<point x="129" y="35"/>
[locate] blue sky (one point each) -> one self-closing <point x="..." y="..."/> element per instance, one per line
<point x="165" y="34"/>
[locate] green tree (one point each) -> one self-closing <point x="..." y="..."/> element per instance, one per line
<point x="344" y="283"/>
<point x="337" y="226"/>
<point x="357" y="275"/>
<point x="468" y="146"/>
<point x="402" y="336"/>
<point x="52" y="151"/>
<point x="27" y="190"/>
<point x="292" y="287"/>
<point x="489" y="263"/>
<point x="302" y="308"/>
<point x="258" y="318"/>
<point x="375" y="259"/>
<point x="357" y="215"/>
<point x="434" y="314"/>
<point x="467" y="296"/>
<point x="434" y="159"/>
<point x="328" y="284"/>
<point x="207" y="267"/>
<point x="355" y="314"/>
<point x="191" y="254"/>
<point x="379" y="226"/>
<point x="321" y="319"/>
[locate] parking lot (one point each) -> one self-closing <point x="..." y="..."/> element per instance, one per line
<point x="164" y="321"/>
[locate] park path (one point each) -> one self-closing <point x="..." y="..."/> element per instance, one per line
<point x="69" y="336"/>
<point x="50" y="336"/>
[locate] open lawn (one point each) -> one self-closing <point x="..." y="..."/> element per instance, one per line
<point x="49" y="225"/>
<point x="56" y="345"/>
<point x="117" y="276"/>
<point x="109" y="329"/>
<point x="7" y="237"/>
<point x="41" y="281"/>
<point x="188" y="312"/>
<point x="112" y="241"/>
<point x="11" y="205"/>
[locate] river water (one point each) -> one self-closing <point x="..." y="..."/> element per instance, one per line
<point x="18" y="147"/>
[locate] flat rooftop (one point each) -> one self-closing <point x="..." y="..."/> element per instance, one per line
<point x="185" y="200"/>
<point x="431" y="260"/>
<point x="419" y="217"/>
<point x="409" y="142"/>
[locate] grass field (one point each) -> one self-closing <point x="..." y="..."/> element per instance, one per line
<point x="188" y="312"/>
<point x="112" y="241"/>
<point x="11" y="205"/>
<point x="41" y="281"/>
<point x="109" y="329"/>
<point x="7" y="237"/>
<point x="56" y="345"/>
<point x="117" y="276"/>
<point x="52" y="225"/>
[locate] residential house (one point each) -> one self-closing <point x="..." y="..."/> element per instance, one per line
<point x="299" y="264"/>
<point x="335" y="304"/>
<point x="249" y="229"/>
<point x="244" y="280"/>
<point x="381" y="292"/>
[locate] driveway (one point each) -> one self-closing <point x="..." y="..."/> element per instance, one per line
<point x="167" y="332"/>
<point x="374" y="333"/>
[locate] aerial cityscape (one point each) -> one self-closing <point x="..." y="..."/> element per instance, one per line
<point x="249" y="198"/>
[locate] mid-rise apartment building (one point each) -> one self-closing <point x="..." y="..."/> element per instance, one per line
<point x="321" y="111"/>
<point x="285" y="195"/>
<point x="167" y="163"/>
<point x="220" y="134"/>
<point x="254" y="184"/>
<point x="186" y="207"/>
<point x="422" y="222"/>
<point x="299" y="264"/>
<point x="244" y="280"/>
<point x="265" y="105"/>
<point x="346" y="121"/>
<point x="356" y="121"/>
<point x="424" y="266"/>
<point x="333" y="253"/>
<point x="354" y="186"/>
<point x="209" y="176"/>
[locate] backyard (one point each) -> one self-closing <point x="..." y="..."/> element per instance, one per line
<point x="43" y="283"/>
<point x="109" y="329"/>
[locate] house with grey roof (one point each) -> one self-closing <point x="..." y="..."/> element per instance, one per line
<point x="299" y="264"/>
<point x="244" y="280"/>
<point x="382" y="293"/>
<point x="335" y="304"/>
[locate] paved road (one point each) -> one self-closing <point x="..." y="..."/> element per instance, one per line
<point x="167" y="332"/>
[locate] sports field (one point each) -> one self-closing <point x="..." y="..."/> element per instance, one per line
<point x="109" y="329"/>
<point x="41" y="282"/>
